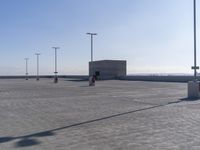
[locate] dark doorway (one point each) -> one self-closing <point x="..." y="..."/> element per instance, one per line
<point x="97" y="74"/>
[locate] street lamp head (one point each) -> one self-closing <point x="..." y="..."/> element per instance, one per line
<point x="26" y="58"/>
<point x="56" y="47"/>
<point x="37" y="54"/>
<point x="91" y="33"/>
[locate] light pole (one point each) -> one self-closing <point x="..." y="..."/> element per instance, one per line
<point x="56" y="72"/>
<point x="193" y="86"/>
<point x="37" y="78"/>
<point x="26" y="59"/>
<point x="195" y="67"/>
<point x="91" y="35"/>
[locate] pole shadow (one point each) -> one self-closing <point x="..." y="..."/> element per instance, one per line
<point x="27" y="140"/>
<point x="190" y="99"/>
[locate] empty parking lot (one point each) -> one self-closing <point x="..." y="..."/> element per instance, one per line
<point x="113" y="115"/>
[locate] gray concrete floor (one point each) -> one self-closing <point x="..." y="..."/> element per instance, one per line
<point x="113" y="115"/>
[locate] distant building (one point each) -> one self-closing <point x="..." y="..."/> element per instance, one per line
<point x="106" y="69"/>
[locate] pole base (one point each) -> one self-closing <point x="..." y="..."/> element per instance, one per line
<point x="56" y="80"/>
<point x="193" y="89"/>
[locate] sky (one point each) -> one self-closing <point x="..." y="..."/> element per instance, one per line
<point x="154" y="36"/>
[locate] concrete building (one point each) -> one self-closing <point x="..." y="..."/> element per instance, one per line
<point x="106" y="69"/>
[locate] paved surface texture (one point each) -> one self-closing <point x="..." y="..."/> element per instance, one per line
<point x="113" y="115"/>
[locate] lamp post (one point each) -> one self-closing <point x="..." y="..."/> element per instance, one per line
<point x="193" y="86"/>
<point x="91" y="35"/>
<point x="37" y="78"/>
<point x="26" y="59"/>
<point x="56" y="72"/>
<point x="195" y="67"/>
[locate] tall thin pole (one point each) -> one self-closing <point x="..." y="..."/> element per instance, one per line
<point x="56" y="72"/>
<point x="38" y="77"/>
<point x="195" y="60"/>
<point x="91" y="36"/>
<point x="56" y="61"/>
<point x="91" y="47"/>
<point x="26" y="59"/>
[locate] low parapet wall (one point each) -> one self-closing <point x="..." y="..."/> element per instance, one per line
<point x="131" y="78"/>
<point x="45" y="76"/>
<point x="159" y="78"/>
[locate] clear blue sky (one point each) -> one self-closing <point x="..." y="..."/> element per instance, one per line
<point x="154" y="36"/>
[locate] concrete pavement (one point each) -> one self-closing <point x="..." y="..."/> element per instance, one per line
<point x="113" y="115"/>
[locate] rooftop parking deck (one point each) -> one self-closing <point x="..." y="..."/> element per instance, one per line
<point x="113" y="115"/>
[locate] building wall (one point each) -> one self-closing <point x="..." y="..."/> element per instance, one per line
<point x="108" y="68"/>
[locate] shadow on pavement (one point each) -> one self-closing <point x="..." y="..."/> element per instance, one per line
<point x="85" y="86"/>
<point x="189" y="99"/>
<point x="76" y="80"/>
<point x="30" y="140"/>
<point x="27" y="140"/>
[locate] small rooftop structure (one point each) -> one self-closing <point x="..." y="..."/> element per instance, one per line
<point x="107" y="69"/>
